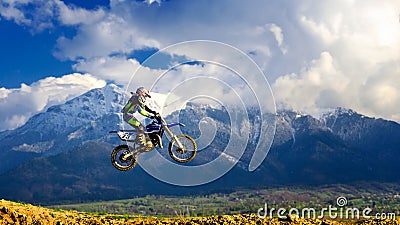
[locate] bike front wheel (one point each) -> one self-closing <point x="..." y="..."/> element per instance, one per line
<point x="187" y="153"/>
<point x="122" y="158"/>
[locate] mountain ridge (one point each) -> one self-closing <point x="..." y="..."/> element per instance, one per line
<point x="73" y="164"/>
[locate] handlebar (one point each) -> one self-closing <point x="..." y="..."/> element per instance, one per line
<point x="157" y="117"/>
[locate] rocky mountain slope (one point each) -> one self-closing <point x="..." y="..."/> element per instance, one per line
<point x="62" y="127"/>
<point x="63" y="154"/>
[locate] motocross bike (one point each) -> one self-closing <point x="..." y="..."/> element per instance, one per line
<point x="182" y="148"/>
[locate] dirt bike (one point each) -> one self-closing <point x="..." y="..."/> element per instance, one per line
<point x="182" y="148"/>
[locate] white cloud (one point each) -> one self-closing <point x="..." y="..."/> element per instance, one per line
<point x="9" y="10"/>
<point x="40" y="15"/>
<point x="4" y="92"/>
<point x="130" y="25"/>
<point x="369" y="29"/>
<point x="149" y="2"/>
<point x="19" y="104"/>
<point x="330" y="49"/>
<point x="277" y="31"/>
<point x="318" y="54"/>
<point x="118" y="69"/>
<point x="362" y="40"/>
<point x="380" y="95"/>
<point x="111" y="35"/>
<point x="37" y="15"/>
<point x="320" y="85"/>
<point x="71" y="15"/>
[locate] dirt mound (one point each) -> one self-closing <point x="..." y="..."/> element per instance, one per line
<point x="20" y="213"/>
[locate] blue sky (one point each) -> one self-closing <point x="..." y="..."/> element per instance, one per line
<point x="317" y="55"/>
<point x="27" y="58"/>
<point x="28" y="55"/>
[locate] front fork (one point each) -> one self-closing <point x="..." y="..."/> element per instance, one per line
<point x="172" y="135"/>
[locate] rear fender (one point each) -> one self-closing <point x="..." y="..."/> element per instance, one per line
<point x="175" y="124"/>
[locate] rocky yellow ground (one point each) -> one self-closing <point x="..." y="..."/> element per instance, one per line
<point x="20" y="213"/>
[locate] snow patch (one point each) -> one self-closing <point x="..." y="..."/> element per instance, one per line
<point x="74" y="135"/>
<point x="39" y="147"/>
<point x="229" y="157"/>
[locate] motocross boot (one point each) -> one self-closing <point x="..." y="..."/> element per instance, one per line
<point x="148" y="144"/>
<point x="144" y="140"/>
<point x="140" y="139"/>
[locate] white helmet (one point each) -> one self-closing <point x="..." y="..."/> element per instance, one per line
<point x="143" y="92"/>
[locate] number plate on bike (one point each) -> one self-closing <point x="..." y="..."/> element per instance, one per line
<point x="123" y="135"/>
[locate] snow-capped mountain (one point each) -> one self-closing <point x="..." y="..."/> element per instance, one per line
<point x="63" y="127"/>
<point x="361" y="130"/>
<point x="90" y="116"/>
<point x="341" y="146"/>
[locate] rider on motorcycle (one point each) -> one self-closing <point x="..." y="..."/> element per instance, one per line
<point x="137" y="104"/>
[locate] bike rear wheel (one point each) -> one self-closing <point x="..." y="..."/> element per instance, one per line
<point x="119" y="159"/>
<point x="183" y="155"/>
